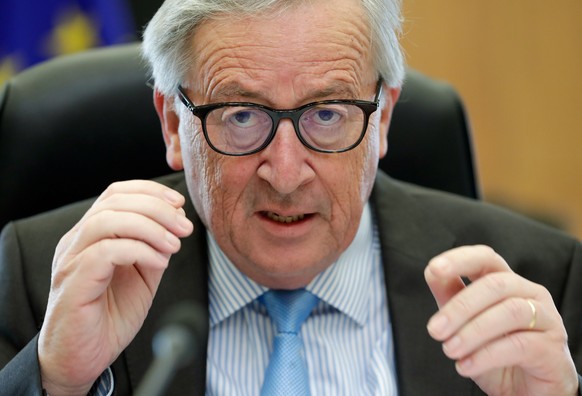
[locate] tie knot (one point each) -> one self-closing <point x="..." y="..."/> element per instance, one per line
<point x="289" y="308"/>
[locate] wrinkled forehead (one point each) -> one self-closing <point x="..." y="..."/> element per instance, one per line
<point x="312" y="43"/>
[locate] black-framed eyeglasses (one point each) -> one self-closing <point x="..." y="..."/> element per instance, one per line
<point x="327" y="126"/>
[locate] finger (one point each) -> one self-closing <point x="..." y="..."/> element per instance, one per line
<point x="523" y="349"/>
<point x="467" y="261"/>
<point x="134" y="194"/>
<point x="512" y="350"/>
<point x="444" y="276"/>
<point x="546" y="362"/>
<point x="152" y="200"/>
<point x="146" y="187"/>
<point x="442" y="288"/>
<point x="91" y="272"/>
<point x="118" y="225"/>
<point x="160" y="211"/>
<point x="483" y="294"/>
<point x="509" y="316"/>
<point x="444" y="272"/>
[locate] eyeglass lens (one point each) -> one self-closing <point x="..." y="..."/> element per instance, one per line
<point x="328" y="127"/>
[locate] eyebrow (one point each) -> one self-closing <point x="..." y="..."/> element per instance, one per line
<point x="337" y="91"/>
<point x="234" y="90"/>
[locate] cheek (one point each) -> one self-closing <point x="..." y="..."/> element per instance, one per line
<point x="216" y="183"/>
<point x="198" y="161"/>
<point x="352" y="182"/>
<point x="359" y="170"/>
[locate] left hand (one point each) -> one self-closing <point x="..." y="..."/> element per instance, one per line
<point x="503" y="331"/>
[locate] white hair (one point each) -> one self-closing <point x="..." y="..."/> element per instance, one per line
<point x="167" y="46"/>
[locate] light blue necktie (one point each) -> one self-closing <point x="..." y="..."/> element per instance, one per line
<point x="286" y="373"/>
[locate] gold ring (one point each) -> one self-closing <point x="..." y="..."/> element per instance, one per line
<point x="534" y="314"/>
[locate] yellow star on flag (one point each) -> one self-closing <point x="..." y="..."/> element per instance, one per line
<point x="8" y="68"/>
<point x="74" y="32"/>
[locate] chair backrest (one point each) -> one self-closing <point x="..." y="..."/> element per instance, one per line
<point x="71" y="126"/>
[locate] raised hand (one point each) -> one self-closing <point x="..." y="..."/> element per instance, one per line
<point x="106" y="271"/>
<point x="502" y="330"/>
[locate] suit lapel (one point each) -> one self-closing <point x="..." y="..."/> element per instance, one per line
<point x="186" y="279"/>
<point x="410" y="237"/>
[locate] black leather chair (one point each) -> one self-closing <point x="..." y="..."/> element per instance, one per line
<point x="71" y="126"/>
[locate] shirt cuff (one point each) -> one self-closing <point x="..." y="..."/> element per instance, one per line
<point x="104" y="385"/>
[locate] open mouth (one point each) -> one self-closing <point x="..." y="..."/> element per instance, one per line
<point x="285" y="219"/>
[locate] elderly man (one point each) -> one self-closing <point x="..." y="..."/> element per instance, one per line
<point x="278" y="111"/>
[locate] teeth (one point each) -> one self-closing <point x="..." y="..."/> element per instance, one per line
<point x="284" y="219"/>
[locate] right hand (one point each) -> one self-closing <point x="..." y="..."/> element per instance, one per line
<point x="105" y="274"/>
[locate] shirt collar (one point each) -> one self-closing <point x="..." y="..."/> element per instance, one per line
<point x="343" y="285"/>
<point x="228" y="288"/>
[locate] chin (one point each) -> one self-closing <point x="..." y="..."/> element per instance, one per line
<point x="290" y="275"/>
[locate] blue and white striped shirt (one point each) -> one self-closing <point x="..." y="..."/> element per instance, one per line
<point x="348" y="337"/>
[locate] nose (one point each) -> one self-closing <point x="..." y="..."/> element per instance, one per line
<point x="285" y="162"/>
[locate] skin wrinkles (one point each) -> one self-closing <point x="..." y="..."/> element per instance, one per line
<point x="205" y="177"/>
<point x="250" y="90"/>
<point x="306" y="72"/>
<point x="234" y="51"/>
<point x="233" y="194"/>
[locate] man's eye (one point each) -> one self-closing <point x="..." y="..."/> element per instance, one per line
<point x="325" y="116"/>
<point x="241" y="118"/>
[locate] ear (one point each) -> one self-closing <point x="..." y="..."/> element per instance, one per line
<point x="170" y="122"/>
<point x="391" y="96"/>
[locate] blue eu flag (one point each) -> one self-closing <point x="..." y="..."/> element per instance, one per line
<point x="34" y="30"/>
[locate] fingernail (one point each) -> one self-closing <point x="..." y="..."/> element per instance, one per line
<point x="464" y="365"/>
<point x="184" y="223"/>
<point x="452" y="344"/>
<point x="437" y="324"/>
<point x="172" y="240"/>
<point x="441" y="264"/>
<point x="164" y="258"/>
<point x="173" y="197"/>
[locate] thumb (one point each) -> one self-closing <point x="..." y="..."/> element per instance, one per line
<point x="442" y="282"/>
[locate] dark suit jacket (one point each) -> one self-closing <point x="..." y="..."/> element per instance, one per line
<point x="415" y="224"/>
